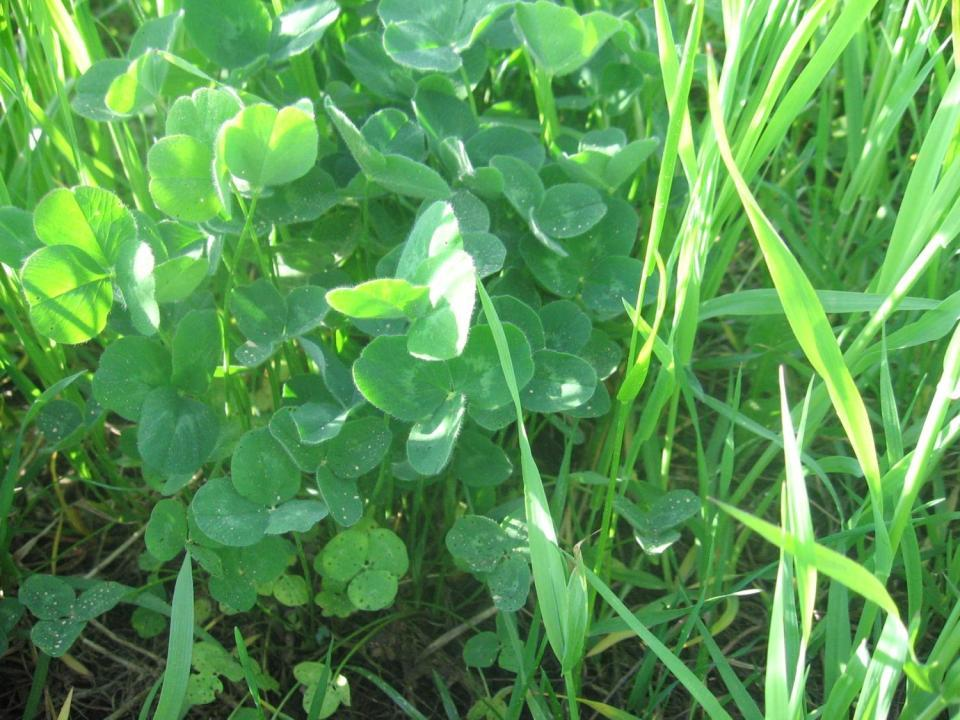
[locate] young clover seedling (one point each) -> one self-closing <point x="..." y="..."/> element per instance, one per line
<point x="61" y="615"/>
<point x="313" y="675"/>
<point x="361" y="566"/>
<point x="655" y="528"/>
<point x="490" y="553"/>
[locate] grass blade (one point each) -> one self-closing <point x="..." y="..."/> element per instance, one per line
<point x="179" y="647"/>
<point x="809" y="323"/>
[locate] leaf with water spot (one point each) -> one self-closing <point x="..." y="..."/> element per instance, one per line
<point x="560" y="382"/>
<point x="261" y="469"/>
<point x="359" y="447"/>
<point x="55" y="637"/>
<point x="509" y="583"/>
<point x="130" y="369"/>
<point x="569" y="209"/>
<point x="227" y="517"/>
<point x="478" y="542"/>
<point x="47" y="597"/>
<point x="296" y="516"/>
<point x="342" y="497"/>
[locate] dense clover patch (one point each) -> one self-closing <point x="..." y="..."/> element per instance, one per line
<point x="295" y="324"/>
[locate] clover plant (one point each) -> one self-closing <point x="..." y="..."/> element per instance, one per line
<point x="282" y="312"/>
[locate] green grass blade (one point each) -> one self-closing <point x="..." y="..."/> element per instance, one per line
<point x="700" y="693"/>
<point x="179" y="646"/>
<point x="399" y="700"/>
<point x="549" y="575"/>
<point x="809" y="323"/>
<point x="829" y="562"/>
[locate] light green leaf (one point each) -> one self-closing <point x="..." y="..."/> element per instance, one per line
<point x="156" y="33"/>
<point x="178" y="277"/>
<point x="138" y="87"/>
<point x="559" y="39"/>
<point x="300" y="27"/>
<point x="181" y="178"/>
<point x="201" y="114"/>
<point x="402" y="175"/>
<point x="387" y="552"/>
<point x="416" y="46"/>
<point x="69" y="294"/>
<point x="264" y="146"/>
<point x="345" y="555"/>
<point x="441" y="334"/>
<point x="291" y="590"/>
<point x="435" y="231"/>
<point x="232" y="33"/>
<point x="176" y="674"/>
<point x="17" y="237"/>
<point x="88" y="218"/>
<point x="136" y="282"/>
<point x="381" y="298"/>
<point x="90" y="90"/>
<point x="373" y="590"/>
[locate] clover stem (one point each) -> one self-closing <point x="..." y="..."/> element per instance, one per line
<point x="541" y="81"/>
<point x="466" y="85"/>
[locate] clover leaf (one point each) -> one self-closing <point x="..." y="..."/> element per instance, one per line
<point x="560" y="39"/>
<point x="130" y="369"/>
<point x="226" y="516"/>
<point x="264" y="146"/>
<point x="181" y="178"/>
<point x="176" y="434"/>
<point x="231" y="33"/>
